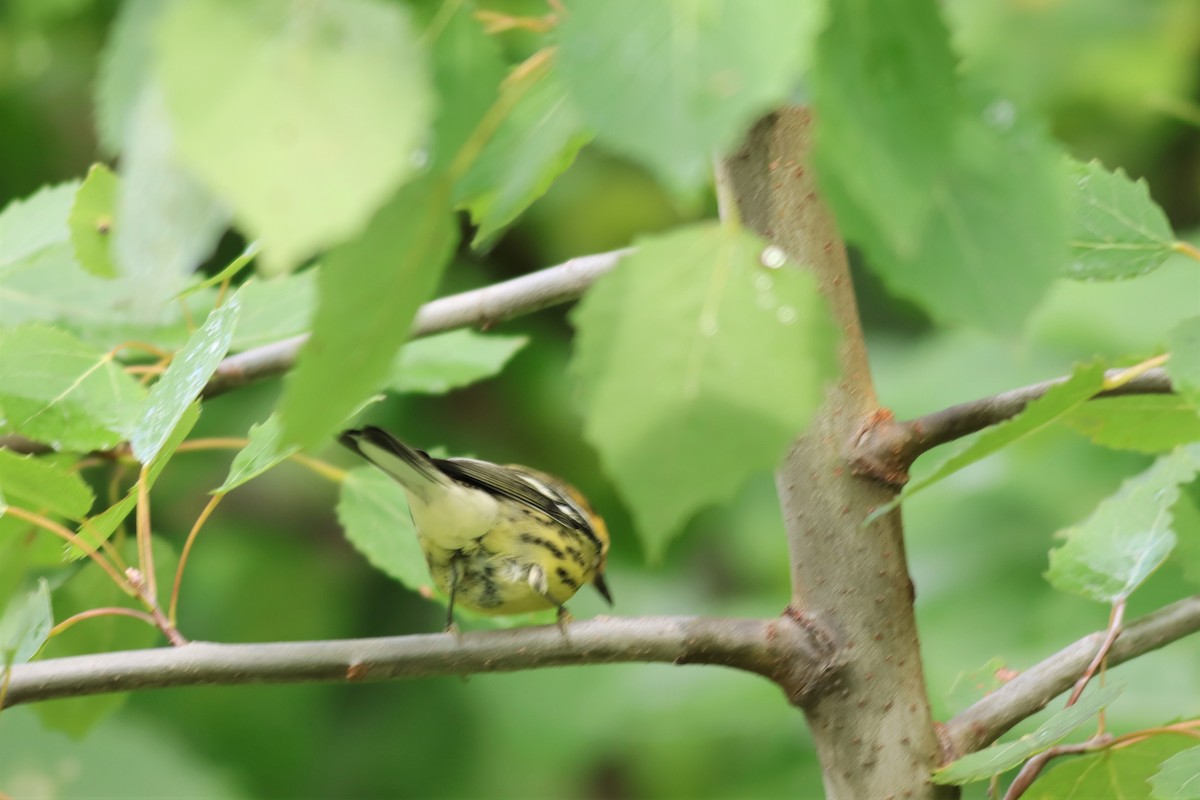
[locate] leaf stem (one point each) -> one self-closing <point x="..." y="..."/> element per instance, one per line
<point x="187" y="549"/>
<point x="110" y="611"/>
<point x="72" y="538"/>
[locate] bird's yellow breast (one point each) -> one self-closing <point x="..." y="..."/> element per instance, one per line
<point x="524" y="562"/>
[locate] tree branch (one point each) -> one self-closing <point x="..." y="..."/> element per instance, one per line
<point x="779" y="649"/>
<point x="476" y="308"/>
<point x="874" y="733"/>
<point x="886" y="448"/>
<point x="1032" y="690"/>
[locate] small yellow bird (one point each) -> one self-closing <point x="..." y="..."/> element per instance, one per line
<point x="497" y="539"/>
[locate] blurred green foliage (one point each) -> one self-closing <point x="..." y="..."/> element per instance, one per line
<point x="1115" y="79"/>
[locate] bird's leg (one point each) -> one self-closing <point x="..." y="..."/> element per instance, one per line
<point x="537" y="581"/>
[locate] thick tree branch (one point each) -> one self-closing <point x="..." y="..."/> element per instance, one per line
<point x="476" y="308"/>
<point x="1032" y="690"/>
<point x="779" y="649"/>
<point x="886" y="448"/>
<point x="874" y="733"/>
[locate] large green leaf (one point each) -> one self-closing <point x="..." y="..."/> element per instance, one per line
<point x="537" y="140"/>
<point x="1001" y="757"/>
<point x="995" y="238"/>
<point x="467" y="69"/>
<point x="1128" y="536"/>
<point x="275" y="309"/>
<point x="37" y="483"/>
<point x="671" y="84"/>
<point x="191" y="368"/>
<point x="373" y="511"/>
<point x="1117" y="231"/>
<point x="1115" y="772"/>
<point x="124" y="69"/>
<point x="313" y="123"/>
<point x="437" y="364"/>
<point x="1179" y="777"/>
<point x="684" y="354"/>
<point x="885" y="65"/>
<point x="168" y="221"/>
<point x="1146" y="423"/>
<point x="56" y="389"/>
<point x="370" y="288"/>
<point x="41" y="280"/>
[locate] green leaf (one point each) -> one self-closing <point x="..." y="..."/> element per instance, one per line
<point x="970" y="686"/>
<point x="124" y="70"/>
<point x="1000" y="757"/>
<point x="995" y="238"/>
<point x="25" y="627"/>
<point x="103" y="525"/>
<point x="1184" y="366"/>
<point x="1122" y="772"/>
<point x="437" y="364"/>
<point x="263" y="452"/>
<point x="41" y="280"/>
<point x="885" y="65"/>
<point x="1186" y="514"/>
<point x="170" y="222"/>
<point x="467" y="66"/>
<point x="1117" y="231"/>
<point x="538" y="139"/>
<point x="373" y="511"/>
<point x="92" y="588"/>
<point x="191" y="368"/>
<point x="32" y="225"/>
<point x="58" y="390"/>
<point x="37" y="483"/>
<point x="370" y="288"/>
<point x="683" y="353"/>
<point x="309" y="129"/>
<point x="92" y="221"/>
<point x="686" y="80"/>
<point x="1147" y="423"/>
<point x="1127" y="537"/>
<point x="275" y="309"/>
<point x="1179" y="777"/>
<point x="229" y="273"/>
<point x="1038" y="415"/>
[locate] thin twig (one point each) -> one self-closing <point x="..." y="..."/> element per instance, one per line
<point x="1034" y="766"/>
<point x="782" y="650"/>
<point x="476" y="308"/>
<point x="1114" y="630"/>
<point x="149" y="586"/>
<point x="1031" y="691"/>
<point x="886" y="448"/>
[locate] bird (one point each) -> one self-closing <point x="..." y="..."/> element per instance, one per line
<point x="498" y="539"/>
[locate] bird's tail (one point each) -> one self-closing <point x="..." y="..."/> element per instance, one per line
<point x="412" y="468"/>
